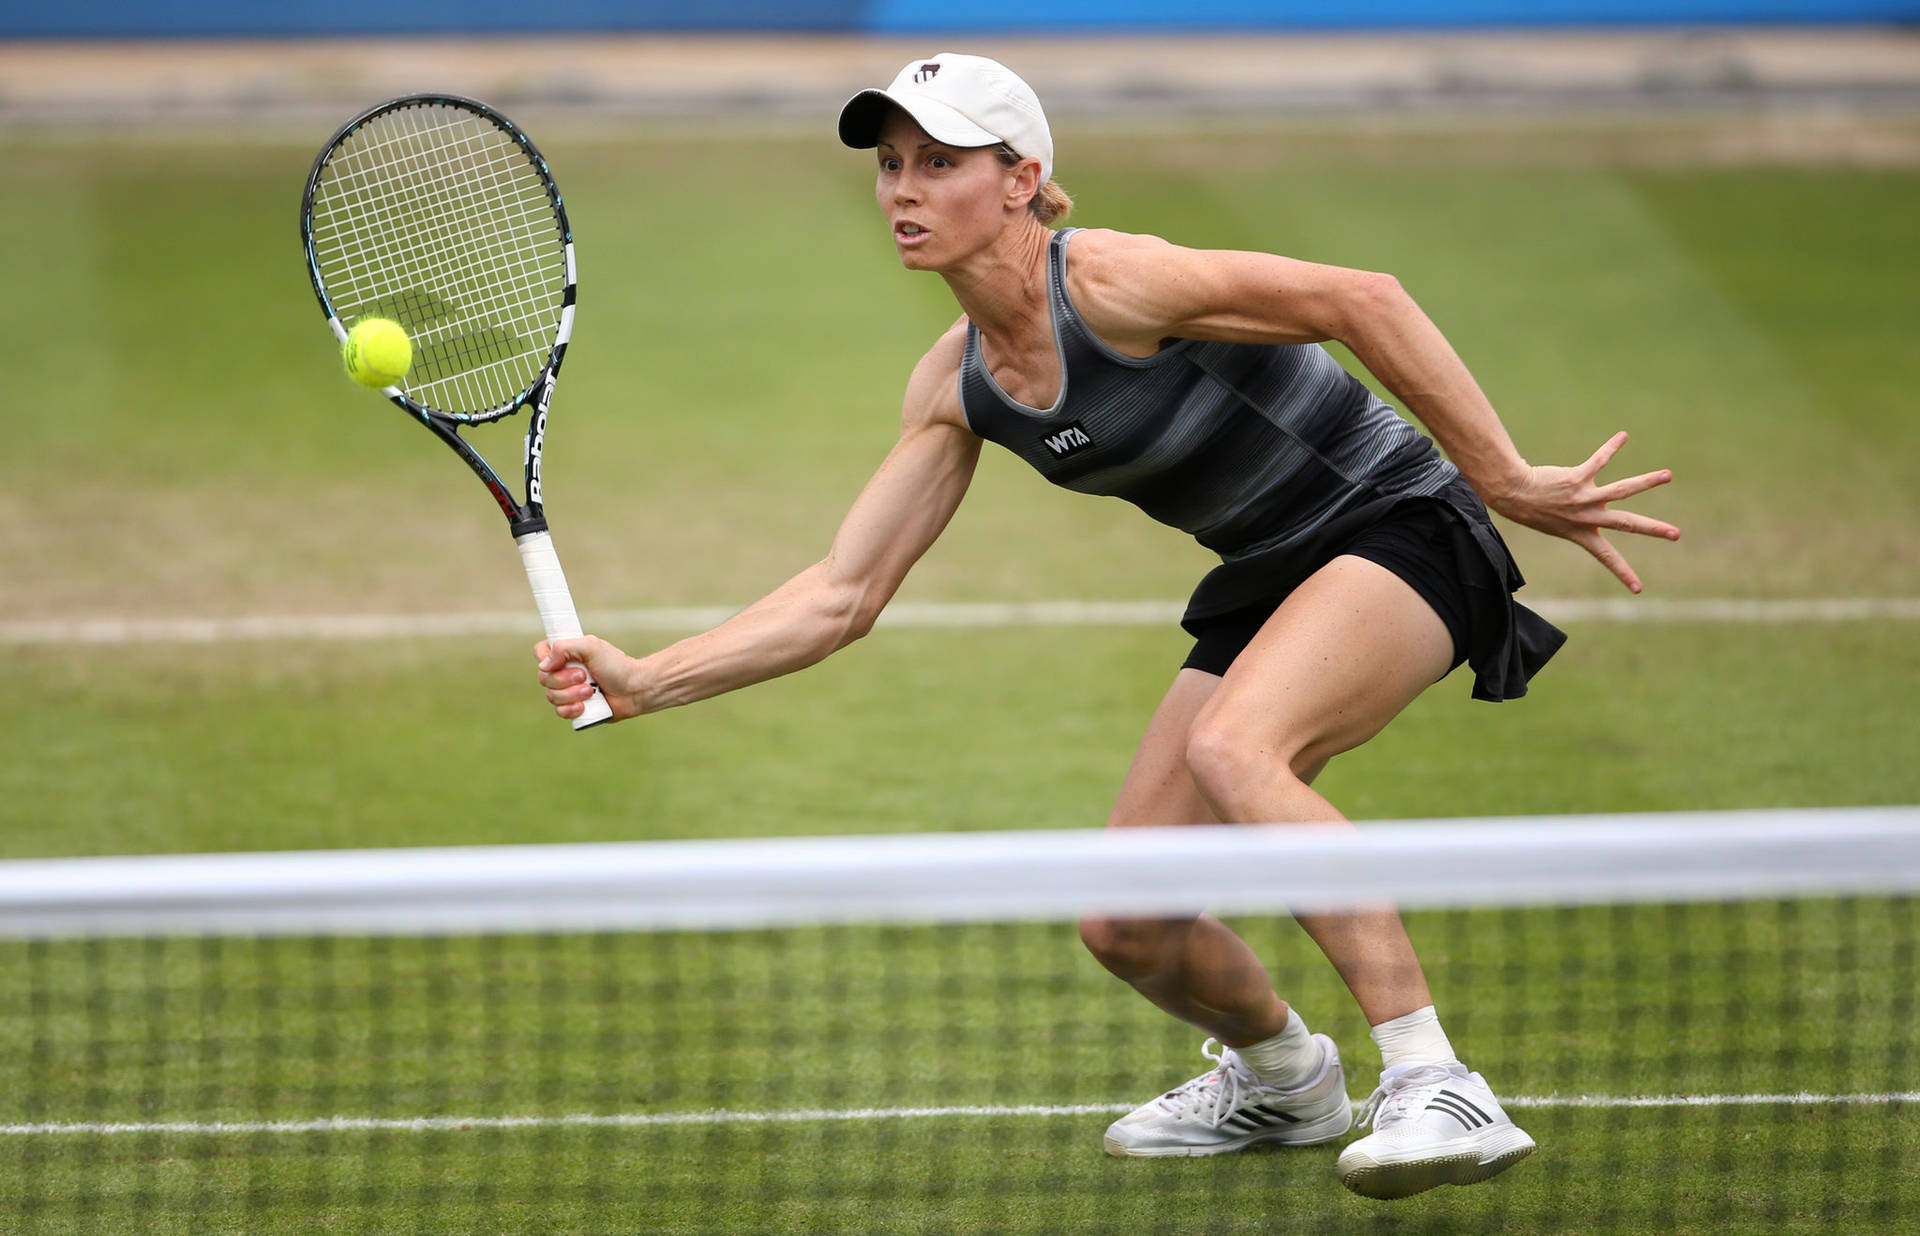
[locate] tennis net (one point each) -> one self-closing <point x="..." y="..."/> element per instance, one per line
<point x="1706" y="1021"/>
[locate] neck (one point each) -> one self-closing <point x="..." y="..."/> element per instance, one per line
<point x="1003" y="288"/>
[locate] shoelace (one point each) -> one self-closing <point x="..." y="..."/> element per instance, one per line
<point x="1231" y="1074"/>
<point x="1393" y="1100"/>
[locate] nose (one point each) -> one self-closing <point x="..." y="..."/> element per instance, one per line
<point x="906" y="187"/>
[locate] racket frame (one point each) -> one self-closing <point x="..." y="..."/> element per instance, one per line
<point x="526" y="519"/>
<point x="522" y="516"/>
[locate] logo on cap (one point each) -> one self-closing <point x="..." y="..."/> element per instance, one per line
<point x="926" y="74"/>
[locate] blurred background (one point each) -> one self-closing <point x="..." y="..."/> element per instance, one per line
<point x="235" y="63"/>
<point x="232" y="581"/>
<point x="246" y="606"/>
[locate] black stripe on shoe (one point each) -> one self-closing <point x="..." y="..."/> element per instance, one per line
<point x="1277" y="1114"/>
<point x="1445" y="1102"/>
<point x="1469" y="1104"/>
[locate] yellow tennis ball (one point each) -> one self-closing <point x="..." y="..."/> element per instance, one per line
<point x="377" y="352"/>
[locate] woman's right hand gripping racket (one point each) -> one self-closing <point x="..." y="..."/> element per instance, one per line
<point x="436" y="213"/>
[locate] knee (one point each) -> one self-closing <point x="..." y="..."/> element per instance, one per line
<point x="1220" y="759"/>
<point x="1235" y="764"/>
<point x="1130" y="948"/>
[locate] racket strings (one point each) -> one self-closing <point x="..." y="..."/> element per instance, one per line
<point x="438" y="218"/>
<point x="458" y="213"/>
<point x="471" y="244"/>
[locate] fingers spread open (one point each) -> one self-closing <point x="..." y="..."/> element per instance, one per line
<point x="1610" y="558"/>
<point x="1634" y="485"/>
<point x="1627" y="521"/>
<point x="1600" y="458"/>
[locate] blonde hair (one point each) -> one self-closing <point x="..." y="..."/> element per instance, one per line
<point x="1051" y="204"/>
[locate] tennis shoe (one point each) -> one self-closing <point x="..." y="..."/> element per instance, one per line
<point x="1433" y="1124"/>
<point x="1230" y="1108"/>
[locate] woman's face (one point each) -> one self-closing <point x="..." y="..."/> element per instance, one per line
<point x="942" y="202"/>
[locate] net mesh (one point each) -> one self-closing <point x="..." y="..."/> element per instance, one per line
<point x="1722" y="1062"/>
<point x="434" y="216"/>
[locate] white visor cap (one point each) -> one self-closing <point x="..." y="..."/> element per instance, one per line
<point x="959" y="100"/>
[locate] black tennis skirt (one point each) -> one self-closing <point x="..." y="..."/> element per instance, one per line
<point x="1444" y="546"/>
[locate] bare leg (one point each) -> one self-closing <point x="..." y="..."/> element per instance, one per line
<point x="1196" y="969"/>
<point x="1349" y="650"/>
<point x="1339" y="660"/>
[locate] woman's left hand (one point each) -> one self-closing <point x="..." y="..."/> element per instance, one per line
<point x="1570" y="503"/>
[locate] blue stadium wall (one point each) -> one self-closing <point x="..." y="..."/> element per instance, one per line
<point x="129" y="18"/>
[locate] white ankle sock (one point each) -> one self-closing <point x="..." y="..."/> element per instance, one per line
<point x="1288" y="1058"/>
<point x="1414" y="1039"/>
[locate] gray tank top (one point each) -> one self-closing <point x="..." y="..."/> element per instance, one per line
<point x="1247" y="447"/>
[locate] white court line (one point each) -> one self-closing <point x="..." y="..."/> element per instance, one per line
<point x="925" y="614"/>
<point x="430" y="1124"/>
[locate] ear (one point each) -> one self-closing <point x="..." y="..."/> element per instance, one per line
<point x="1024" y="185"/>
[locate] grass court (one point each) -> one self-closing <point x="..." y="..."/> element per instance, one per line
<point x="185" y="446"/>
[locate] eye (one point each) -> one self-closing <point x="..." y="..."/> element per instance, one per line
<point x="939" y="160"/>
<point x="889" y="164"/>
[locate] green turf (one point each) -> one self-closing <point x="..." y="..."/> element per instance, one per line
<point x="1813" y="997"/>
<point x="266" y="746"/>
<point x="744" y="334"/>
<point x="739" y="368"/>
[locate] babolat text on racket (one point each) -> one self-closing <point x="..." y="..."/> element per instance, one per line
<point x="437" y="213"/>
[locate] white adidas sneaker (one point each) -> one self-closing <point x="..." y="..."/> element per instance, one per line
<point x="1230" y="1109"/>
<point x="1433" y="1124"/>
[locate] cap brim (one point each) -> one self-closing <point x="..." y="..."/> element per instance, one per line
<point x="861" y="118"/>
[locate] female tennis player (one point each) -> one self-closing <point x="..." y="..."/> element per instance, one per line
<point x="1359" y="566"/>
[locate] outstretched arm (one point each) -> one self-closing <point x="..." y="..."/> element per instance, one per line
<point x="899" y="514"/>
<point x="1137" y="291"/>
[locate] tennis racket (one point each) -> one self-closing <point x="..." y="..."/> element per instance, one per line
<point x="438" y="213"/>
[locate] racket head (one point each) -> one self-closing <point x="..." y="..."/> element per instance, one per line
<point x="437" y="212"/>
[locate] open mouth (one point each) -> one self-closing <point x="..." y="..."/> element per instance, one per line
<point x="908" y="231"/>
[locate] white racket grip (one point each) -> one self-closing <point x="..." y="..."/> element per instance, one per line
<point x="555" y="602"/>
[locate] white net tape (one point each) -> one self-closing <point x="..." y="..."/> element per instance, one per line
<point x="974" y="877"/>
